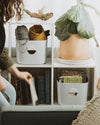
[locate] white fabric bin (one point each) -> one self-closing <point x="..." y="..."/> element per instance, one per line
<point x="72" y="93"/>
<point x="31" y="51"/>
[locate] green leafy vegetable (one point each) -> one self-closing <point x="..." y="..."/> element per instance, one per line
<point x="66" y="29"/>
<point x="62" y="20"/>
<point x="75" y="13"/>
<point x="62" y="34"/>
<point x="76" y="21"/>
<point x="85" y="27"/>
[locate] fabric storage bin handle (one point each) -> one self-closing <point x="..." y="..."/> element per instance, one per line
<point x="73" y="91"/>
<point x="31" y="51"/>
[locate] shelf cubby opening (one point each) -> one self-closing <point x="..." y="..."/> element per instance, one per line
<point x="42" y="80"/>
<point x="89" y="74"/>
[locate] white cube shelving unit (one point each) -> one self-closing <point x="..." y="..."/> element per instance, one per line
<point x="54" y="64"/>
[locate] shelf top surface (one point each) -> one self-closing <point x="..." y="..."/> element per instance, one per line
<point x="56" y="64"/>
<point x="47" y="64"/>
<point x="90" y="64"/>
<point x="39" y="108"/>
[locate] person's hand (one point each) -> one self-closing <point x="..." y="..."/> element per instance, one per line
<point x="2" y="85"/>
<point x="25" y="76"/>
<point x="19" y="74"/>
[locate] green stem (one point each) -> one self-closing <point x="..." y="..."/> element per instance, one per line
<point x="96" y="11"/>
<point x="79" y="1"/>
<point x="97" y="44"/>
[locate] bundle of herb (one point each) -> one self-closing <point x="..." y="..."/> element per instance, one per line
<point x="76" y="21"/>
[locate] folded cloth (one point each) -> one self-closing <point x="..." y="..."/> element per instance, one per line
<point x="21" y="33"/>
<point x="90" y="114"/>
<point x="37" y="32"/>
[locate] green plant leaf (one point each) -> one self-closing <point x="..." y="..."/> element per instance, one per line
<point x="75" y="13"/>
<point x="65" y="30"/>
<point x="62" y="34"/>
<point x="85" y="27"/>
<point x="62" y="29"/>
<point x="75" y="21"/>
<point x="62" y="20"/>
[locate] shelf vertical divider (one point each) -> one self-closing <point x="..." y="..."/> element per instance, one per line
<point x="52" y="68"/>
<point x="95" y="81"/>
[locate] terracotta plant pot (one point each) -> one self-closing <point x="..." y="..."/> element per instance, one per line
<point x="74" y="48"/>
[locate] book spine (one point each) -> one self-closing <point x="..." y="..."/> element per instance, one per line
<point x="48" y="86"/>
<point x="24" y="99"/>
<point x="27" y="92"/>
<point x="72" y="79"/>
<point x="19" y="92"/>
<point x="14" y="83"/>
<point x="41" y="93"/>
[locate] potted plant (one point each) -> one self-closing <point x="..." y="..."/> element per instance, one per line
<point x="74" y="29"/>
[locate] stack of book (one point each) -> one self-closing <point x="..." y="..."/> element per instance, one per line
<point x="42" y="83"/>
<point x="23" y="95"/>
<point x="44" y="87"/>
<point x="72" y="76"/>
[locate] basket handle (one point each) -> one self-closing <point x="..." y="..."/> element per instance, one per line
<point x="73" y="91"/>
<point x="31" y="51"/>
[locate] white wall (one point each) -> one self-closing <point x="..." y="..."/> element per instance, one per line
<point x="58" y="7"/>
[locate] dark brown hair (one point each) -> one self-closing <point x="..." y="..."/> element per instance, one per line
<point x="10" y="8"/>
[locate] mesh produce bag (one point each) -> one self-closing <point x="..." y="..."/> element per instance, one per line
<point x="36" y="32"/>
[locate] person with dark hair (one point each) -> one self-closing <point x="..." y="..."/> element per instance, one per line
<point x="9" y="9"/>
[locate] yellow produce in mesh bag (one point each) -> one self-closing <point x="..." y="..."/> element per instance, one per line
<point x="36" y="32"/>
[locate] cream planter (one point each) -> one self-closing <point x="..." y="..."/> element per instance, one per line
<point x="74" y="48"/>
